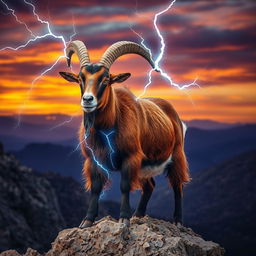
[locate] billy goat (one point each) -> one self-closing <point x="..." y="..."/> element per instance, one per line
<point x="148" y="135"/>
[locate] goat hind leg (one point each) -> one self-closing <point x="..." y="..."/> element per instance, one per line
<point x="177" y="189"/>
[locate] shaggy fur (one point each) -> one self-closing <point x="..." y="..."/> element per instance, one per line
<point x="147" y="129"/>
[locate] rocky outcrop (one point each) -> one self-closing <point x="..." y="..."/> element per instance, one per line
<point x="34" y="207"/>
<point x="29" y="210"/>
<point x="146" y="236"/>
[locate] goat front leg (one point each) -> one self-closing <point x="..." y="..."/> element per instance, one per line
<point x="96" y="188"/>
<point x="129" y="175"/>
<point x="147" y="186"/>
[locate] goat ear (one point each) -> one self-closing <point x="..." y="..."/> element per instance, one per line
<point x="119" y="78"/>
<point x="69" y="77"/>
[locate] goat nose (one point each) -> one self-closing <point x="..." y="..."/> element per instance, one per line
<point x="88" y="98"/>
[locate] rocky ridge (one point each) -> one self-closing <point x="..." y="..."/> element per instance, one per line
<point x="145" y="236"/>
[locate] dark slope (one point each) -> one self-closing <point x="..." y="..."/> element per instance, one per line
<point x="34" y="207"/>
<point x="29" y="212"/>
<point x="52" y="157"/>
<point x="205" y="148"/>
<point x="221" y="204"/>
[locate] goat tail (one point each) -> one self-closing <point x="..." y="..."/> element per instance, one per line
<point x="177" y="170"/>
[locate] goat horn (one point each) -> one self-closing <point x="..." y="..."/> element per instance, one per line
<point x="80" y="49"/>
<point x="121" y="48"/>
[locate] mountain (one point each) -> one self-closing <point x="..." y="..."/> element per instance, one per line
<point x="62" y="129"/>
<point x="205" y="148"/>
<point x="16" y="136"/>
<point x="29" y="212"/>
<point x="205" y="124"/>
<point x="34" y="206"/>
<point x="219" y="203"/>
<point x="47" y="157"/>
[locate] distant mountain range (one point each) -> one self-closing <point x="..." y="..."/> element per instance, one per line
<point x="207" y="147"/>
<point x="15" y="136"/>
<point x="205" y="124"/>
<point x="43" y="157"/>
<point x="204" y="148"/>
<point x="62" y="129"/>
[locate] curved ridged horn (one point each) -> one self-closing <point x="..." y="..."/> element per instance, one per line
<point x="121" y="48"/>
<point x="80" y="49"/>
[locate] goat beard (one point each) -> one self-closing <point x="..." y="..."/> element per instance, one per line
<point x="88" y="122"/>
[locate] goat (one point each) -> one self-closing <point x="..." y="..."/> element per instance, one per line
<point x="148" y="135"/>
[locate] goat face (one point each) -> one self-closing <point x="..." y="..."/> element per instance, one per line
<point x="95" y="82"/>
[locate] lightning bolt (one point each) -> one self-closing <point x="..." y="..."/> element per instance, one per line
<point x="110" y="146"/>
<point x="94" y="158"/>
<point x="98" y="163"/>
<point x="34" y="38"/>
<point x="160" y="56"/>
<point x="18" y="20"/>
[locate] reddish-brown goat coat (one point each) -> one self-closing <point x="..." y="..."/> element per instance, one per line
<point x="146" y="129"/>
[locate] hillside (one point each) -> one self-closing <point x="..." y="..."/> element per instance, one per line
<point x="219" y="203"/>
<point x="47" y="157"/>
<point x="34" y="207"/>
<point x="205" y="148"/>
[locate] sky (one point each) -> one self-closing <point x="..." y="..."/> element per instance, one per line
<point x="213" y="41"/>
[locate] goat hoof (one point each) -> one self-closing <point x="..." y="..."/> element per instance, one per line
<point x="85" y="224"/>
<point x="126" y="222"/>
<point x="138" y="215"/>
<point x="178" y="224"/>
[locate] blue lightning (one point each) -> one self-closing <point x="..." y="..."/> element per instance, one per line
<point x="110" y="146"/>
<point x="34" y="38"/>
<point x="96" y="161"/>
<point x="93" y="155"/>
<point x="160" y="56"/>
<point x="94" y="158"/>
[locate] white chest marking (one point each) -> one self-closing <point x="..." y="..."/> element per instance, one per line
<point x="154" y="170"/>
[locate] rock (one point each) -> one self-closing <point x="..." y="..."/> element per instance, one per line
<point x="147" y="236"/>
<point x="10" y="253"/>
<point x="30" y="252"/>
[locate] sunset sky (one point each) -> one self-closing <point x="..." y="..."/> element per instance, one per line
<point x="212" y="40"/>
